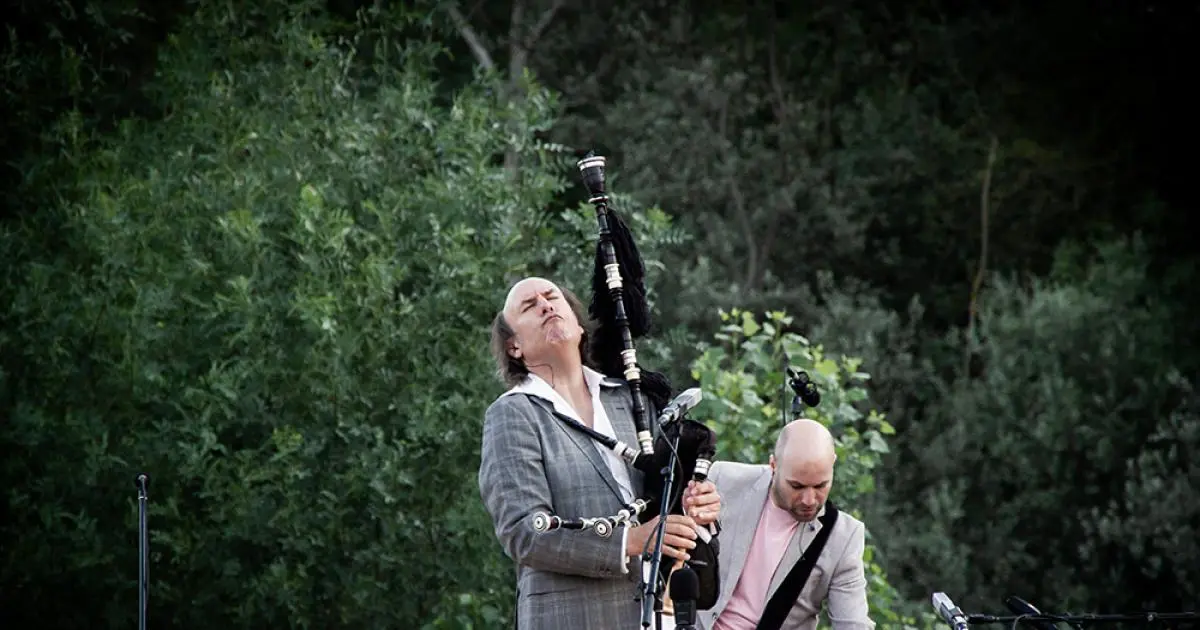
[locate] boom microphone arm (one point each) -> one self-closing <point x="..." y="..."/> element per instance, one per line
<point x="955" y="618"/>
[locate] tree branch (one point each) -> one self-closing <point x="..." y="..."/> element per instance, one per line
<point x="520" y="45"/>
<point x="543" y="22"/>
<point x="977" y="283"/>
<point x="739" y="202"/>
<point x="469" y="36"/>
<point x="773" y="73"/>
<point x="782" y="115"/>
<point x="517" y="52"/>
<point x="764" y="253"/>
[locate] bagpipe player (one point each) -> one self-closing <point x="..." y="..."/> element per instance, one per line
<point x="532" y="460"/>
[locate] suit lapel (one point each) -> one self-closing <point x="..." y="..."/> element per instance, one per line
<point x="745" y="523"/>
<point x="585" y="443"/>
<point x="620" y="416"/>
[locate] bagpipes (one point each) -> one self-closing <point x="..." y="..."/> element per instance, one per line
<point x="621" y="313"/>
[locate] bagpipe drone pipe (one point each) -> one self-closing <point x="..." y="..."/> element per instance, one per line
<point x="621" y="313"/>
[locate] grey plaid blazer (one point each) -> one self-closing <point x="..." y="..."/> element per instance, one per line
<point x="532" y="461"/>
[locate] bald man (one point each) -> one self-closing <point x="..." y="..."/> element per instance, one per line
<point x="532" y="460"/>
<point x="775" y="512"/>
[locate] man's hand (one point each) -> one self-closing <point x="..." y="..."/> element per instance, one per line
<point x="702" y="501"/>
<point x="677" y="540"/>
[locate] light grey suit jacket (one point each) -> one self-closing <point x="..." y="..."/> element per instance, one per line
<point x="837" y="579"/>
<point x="532" y="461"/>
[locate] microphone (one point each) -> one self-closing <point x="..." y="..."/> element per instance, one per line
<point x="1021" y="607"/>
<point x="680" y="406"/>
<point x="949" y="613"/>
<point x="685" y="590"/>
<point x="804" y="388"/>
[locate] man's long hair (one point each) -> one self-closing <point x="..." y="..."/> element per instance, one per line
<point x="512" y="370"/>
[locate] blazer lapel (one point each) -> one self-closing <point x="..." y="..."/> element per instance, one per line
<point x="585" y="443"/>
<point x="620" y="416"/>
<point x="745" y="523"/>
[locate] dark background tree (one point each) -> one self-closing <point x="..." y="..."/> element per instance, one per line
<point x="256" y="247"/>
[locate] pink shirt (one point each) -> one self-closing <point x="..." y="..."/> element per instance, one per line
<point x="749" y="598"/>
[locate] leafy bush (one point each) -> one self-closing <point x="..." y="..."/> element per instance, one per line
<point x="275" y="301"/>
<point x="1070" y="431"/>
<point x="747" y="401"/>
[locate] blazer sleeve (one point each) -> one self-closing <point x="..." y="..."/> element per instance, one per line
<point x="513" y="485"/>
<point x="847" y="600"/>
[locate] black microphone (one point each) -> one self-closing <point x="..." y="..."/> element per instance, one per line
<point x="685" y="590"/>
<point x="1021" y="607"/>
<point x="680" y="406"/>
<point x="949" y="613"/>
<point x="804" y="388"/>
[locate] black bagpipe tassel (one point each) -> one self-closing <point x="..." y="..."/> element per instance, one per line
<point x="607" y="341"/>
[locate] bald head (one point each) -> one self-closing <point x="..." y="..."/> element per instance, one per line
<point x="524" y="293"/>
<point x="802" y="468"/>
<point x="805" y="441"/>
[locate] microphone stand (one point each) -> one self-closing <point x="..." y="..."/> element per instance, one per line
<point x="1078" y="620"/>
<point x="143" y="550"/>
<point x="652" y="601"/>
<point x="954" y="617"/>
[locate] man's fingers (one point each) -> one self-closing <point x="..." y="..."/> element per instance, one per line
<point x="679" y="529"/>
<point x="681" y="521"/>
<point x="686" y="521"/>
<point x="704" y="502"/>
<point x="679" y="542"/>
<point x="672" y="552"/>
<point x="677" y="548"/>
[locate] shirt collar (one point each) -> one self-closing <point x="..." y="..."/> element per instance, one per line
<point x="537" y="386"/>
<point x="815" y="524"/>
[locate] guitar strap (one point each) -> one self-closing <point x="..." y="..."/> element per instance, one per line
<point x="785" y="597"/>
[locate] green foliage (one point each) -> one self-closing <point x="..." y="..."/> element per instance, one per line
<point x="744" y="381"/>
<point x="276" y="302"/>
<point x="65" y="54"/>
<point x="1071" y="425"/>
<point x="787" y="151"/>
<point x="271" y="290"/>
<point x="1155" y="515"/>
